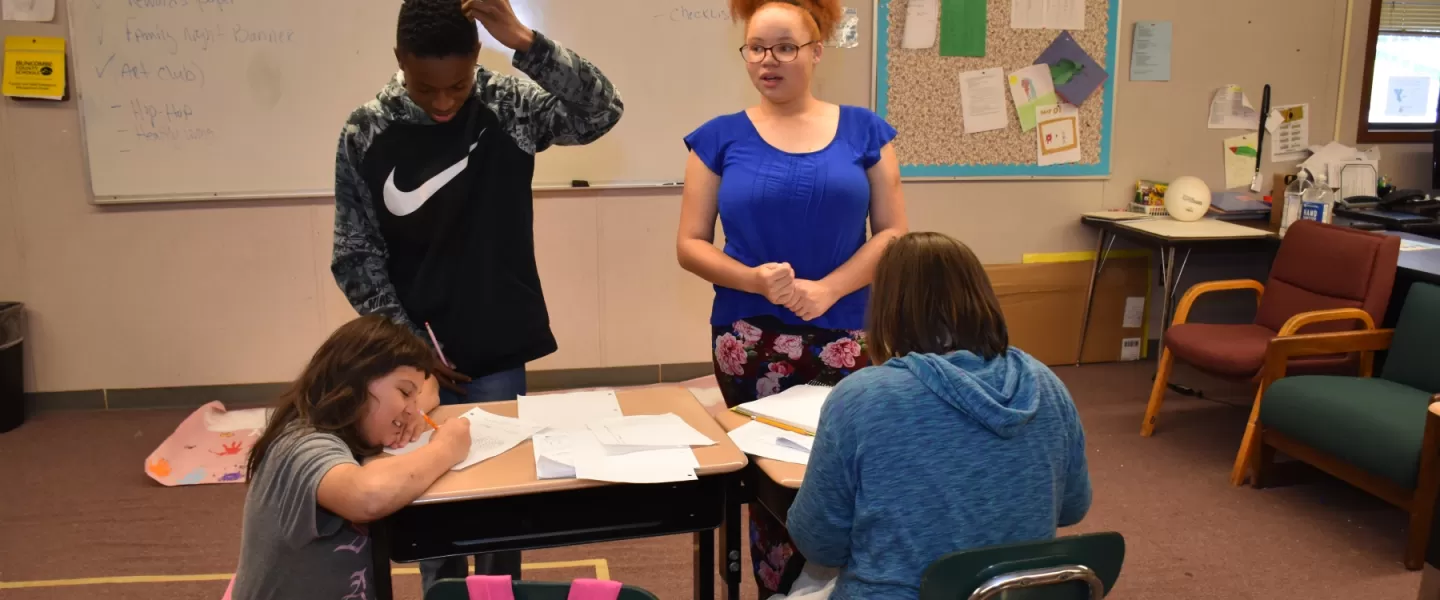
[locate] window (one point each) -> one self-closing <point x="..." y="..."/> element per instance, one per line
<point x="1402" y="72"/>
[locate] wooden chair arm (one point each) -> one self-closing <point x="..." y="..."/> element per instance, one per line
<point x="1282" y="349"/>
<point x="1293" y="324"/>
<point x="1182" y="311"/>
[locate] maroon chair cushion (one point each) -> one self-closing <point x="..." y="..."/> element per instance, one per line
<point x="1238" y="351"/>
<point x="1235" y="351"/>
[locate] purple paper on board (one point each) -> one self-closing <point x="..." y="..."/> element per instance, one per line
<point x="1085" y="75"/>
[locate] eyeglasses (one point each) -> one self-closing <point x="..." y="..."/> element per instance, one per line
<point x="783" y="52"/>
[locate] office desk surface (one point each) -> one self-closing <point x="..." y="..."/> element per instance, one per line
<point x="1422" y="265"/>
<point x="789" y="475"/>
<point x="513" y="473"/>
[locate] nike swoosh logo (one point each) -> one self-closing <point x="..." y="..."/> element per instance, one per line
<point x="403" y="203"/>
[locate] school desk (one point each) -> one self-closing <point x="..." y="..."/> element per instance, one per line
<point x="1169" y="236"/>
<point x="766" y="484"/>
<point x="499" y="504"/>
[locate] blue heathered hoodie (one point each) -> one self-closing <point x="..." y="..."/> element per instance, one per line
<point x="928" y="454"/>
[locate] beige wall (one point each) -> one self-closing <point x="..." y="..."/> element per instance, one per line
<point x="237" y="293"/>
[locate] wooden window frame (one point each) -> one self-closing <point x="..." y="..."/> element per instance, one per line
<point x="1364" y="135"/>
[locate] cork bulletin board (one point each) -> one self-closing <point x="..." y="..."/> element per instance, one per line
<point x="918" y="91"/>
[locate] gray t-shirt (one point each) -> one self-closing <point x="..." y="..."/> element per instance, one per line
<point x="291" y="548"/>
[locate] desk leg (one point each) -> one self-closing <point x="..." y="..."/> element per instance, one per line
<point x="1167" y="288"/>
<point x="730" y="545"/>
<point x="705" y="565"/>
<point x="380" y="557"/>
<point x="1102" y="250"/>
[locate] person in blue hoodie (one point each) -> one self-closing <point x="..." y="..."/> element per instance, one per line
<point x="957" y="441"/>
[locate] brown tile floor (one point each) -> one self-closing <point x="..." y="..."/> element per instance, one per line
<point x="76" y="504"/>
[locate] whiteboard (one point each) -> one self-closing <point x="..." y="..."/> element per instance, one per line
<point x="224" y="99"/>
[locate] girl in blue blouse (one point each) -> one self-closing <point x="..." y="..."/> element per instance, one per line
<point x="793" y="181"/>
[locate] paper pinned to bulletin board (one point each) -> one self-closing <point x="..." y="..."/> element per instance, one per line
<point x="34" y="67"/>
<point x="1240" y="153"/>
<point x="1057" y="137"/>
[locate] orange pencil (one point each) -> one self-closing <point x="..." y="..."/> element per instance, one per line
<point x="428" y="421"/>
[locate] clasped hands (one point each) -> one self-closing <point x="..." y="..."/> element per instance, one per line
<point x="807" y="299"/>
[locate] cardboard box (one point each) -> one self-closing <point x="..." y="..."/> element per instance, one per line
<point x="1043" y="303"/>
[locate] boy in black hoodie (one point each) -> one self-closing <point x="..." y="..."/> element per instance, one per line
<point x="433" y="207"/>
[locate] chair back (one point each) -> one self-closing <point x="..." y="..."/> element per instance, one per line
<point x="1323" y="267"/>
<point x="1067" y="568"/>
<point x="454" y="589"/>
<point x="1414" y="354"/>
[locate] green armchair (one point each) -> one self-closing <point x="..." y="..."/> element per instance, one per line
<point x="1377" y="433"/>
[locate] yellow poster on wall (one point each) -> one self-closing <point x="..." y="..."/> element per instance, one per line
<point x="34" y="67"/>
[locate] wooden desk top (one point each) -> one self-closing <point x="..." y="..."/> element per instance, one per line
<point x="786" y="474"/>
<point x="513" y="473"/>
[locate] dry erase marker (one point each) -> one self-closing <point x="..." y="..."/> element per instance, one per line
<point x="438" y="351"/>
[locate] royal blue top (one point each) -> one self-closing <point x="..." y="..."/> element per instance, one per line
<point x="807" y="209"/>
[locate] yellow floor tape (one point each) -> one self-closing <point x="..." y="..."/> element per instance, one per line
<point x="602" y="571"/>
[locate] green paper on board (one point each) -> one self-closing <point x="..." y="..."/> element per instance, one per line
<point x="962" y="27"/>
<point x="1027" y="111"/>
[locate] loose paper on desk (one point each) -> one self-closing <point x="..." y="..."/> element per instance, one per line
<point x="1057" y="137"/>
<point x="661" y="465"/>
<point x="922" y="24"/>
<point x="27" y="10"/>
<point x="1406" y="96"/>
<point x="1230" y="109"/>
<point x="798" y="407"/>
<point x="556" y="451"/>
<point x="982" y="100"/>
<point x="1240" y="152"/>
<point x="1291" y="134"/>
<point x="763" y="440"/>
<point x="1030" y="87"/>
<point x="490" y="436"/>
<point x="667" y="430"/>
<point x="1047" y="14"/>
<point x="1406" y="246"/>
<point x="569" y="411"/>
<point x="962" y="27"/>
<point x="1150" y="51"/>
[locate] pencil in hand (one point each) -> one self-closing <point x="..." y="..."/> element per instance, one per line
<point x="428" y="421"/>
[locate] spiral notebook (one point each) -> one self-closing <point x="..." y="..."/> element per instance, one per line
<point x="796" y="409"/>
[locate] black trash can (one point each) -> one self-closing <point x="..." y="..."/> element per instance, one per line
<point x="12" y="372"/>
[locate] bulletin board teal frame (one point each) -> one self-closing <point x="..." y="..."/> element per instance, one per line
<point x="1003" y="171"/>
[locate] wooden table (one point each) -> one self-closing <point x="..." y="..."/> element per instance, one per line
<point x="499" y="505"/>
<point x="766" y="484"/>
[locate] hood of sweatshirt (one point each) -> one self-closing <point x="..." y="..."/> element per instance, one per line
<point x="1000" y="393"/>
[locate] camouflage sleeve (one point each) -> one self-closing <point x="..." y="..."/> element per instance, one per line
<point x="569" y="102"/>
<point x="359" y="258"/>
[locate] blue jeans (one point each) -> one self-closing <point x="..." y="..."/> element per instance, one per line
<point x="505" y="385"/>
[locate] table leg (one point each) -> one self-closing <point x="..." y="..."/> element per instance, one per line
<point x="380" y="557"/>
<point x="730" y="545"/>
<point x="705" y="565"/>
<point x="1102" y="250"/>
<point x="1167" y="288"/>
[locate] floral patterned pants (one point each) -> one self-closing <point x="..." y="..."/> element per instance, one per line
<point x="758" y="357"/>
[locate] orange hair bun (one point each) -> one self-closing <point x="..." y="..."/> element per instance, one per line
<point x="824" y="14"/>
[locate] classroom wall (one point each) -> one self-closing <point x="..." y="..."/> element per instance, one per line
<point x="181" y="295"/>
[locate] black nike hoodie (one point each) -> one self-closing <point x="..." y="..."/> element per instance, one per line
<point x="434" y="223"/>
